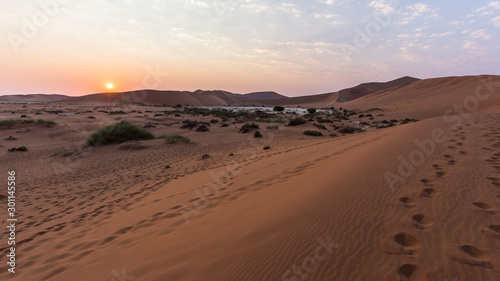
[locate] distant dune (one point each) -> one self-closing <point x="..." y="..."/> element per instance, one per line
<point x="368" y="88"/>
<point x="32" y="98"/>
<point x="262" y="96"/>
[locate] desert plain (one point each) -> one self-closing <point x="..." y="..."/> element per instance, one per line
<point x="416" y="200"/>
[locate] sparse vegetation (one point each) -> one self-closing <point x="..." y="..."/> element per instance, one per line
<point x="296" y="121"/>
<point x="311" y="110"/>
<point x="118" y="133"/>
<point x="118" y="112"/>
<point x="247" y="127"/>
<point x="169" y="139"/>
<point x="313" y="133"/>
<point x="279" y="108"/>
<point x="349" y="130"/>
<point x="202" y="128"/>
<point x="270" y="120"/>
<point x="319" y="126"/>
<point x="257" y="134"/>
<point x="21" y="148"/>
<point x="11" y="122"/>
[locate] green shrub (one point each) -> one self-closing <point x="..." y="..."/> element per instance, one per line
<point x="313" y="133"/>
<point x="247" y="127"/>
<point x="12" y="122"/>
<point x="118" y="133"/>
<point x="349" y="130"/>
<point x="175" y="139"/>
<point x="270" y="120"/>
<point x="202" y="128"/>
<point x="257" y="134"/>
<point x="296" y="121"/>
<point x="311" y="110"/>
<point x="242" y="113"/>
<point x="279" y="108"/>
<point x="117" y="112"/>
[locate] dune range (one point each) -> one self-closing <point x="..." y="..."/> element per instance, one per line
<point x="418" y="201"/>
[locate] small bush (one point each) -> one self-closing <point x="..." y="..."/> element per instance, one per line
<point x="257" y="134"/>
<point x="319" y="126"/>
<point x="118" y="133"/>
<point x="202" y="128"/>
<point x="224" y="125"/>
<point x="279" y="108"/>
<point x="169" y="139"/>
<point x="270" y="120"/>
<point x="311" y="110"/>
<point x="12" y="122"/>
<point x="117" y="112"/>
<point x="247" y="127"/>
<point x="274" y="127"/>
<point x="296" y="121"/>
<point x="349" y="130"/>
<point x="313" y="133"/>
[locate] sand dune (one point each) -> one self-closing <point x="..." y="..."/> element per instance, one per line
<point x="418" y="201"/>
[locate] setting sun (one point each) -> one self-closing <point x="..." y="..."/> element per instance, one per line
<point x="109" y="86"/>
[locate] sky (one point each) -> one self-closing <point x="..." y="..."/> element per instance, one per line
<point x="295" y="48"/>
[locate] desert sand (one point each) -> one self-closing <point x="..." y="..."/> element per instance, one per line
<point x="417" y="201"/>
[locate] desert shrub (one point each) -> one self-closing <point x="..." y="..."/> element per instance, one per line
<point x="118" y="112"/>
<point x="21" y="148"/>
<point x="311" y="110"/>
<point x="361" y="116"/>
<point x="12" y="122"/>
<point x="369" y="115"/>
<point x="348" y="130"/>
<point x="279" y="108"/>
<point x="189" y="124"/>
<point x="267" y="147"/>
<point x="247" y="127"/>
<point x="178" y="105"/>
<point x="90" y="117"/>
<point x="214" y="121"/>
<point x="224" y="125"/>
<point x="118" y="133"/>
<point x="257" y="134"/>
<point x="374" y="109"/>
<point x="381" y="114"/>
<point x="175" y="139"/>
<point x="319" y="126"/>
<point x="202" y="128"/>
<point x="274" y="127"/>
<point x="313" y="133"/>
<point x="408" y="120"/>
<point x="242" y="113"/>
<point x="323" y="120"/>
<point x="296" y="121"/>
<point x="158" y="115"/>
<point x="270" y="120"/>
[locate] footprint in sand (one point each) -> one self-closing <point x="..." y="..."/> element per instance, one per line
<point x="427" y="182"/>
<point x="440" y="174"/>
<point x="422" y="221"/>
<point x="451" y="162"/>
<point x="484" y="207"/>
<point x="468" y="254"/>
<point x="408" y="202"/>
<point x="407" y="243"/>
<point x="492" y="231"/>
<point x="430" y="192"/>
<point x="494" y="181"/>
<point x="411" y="272"/>
<point x="437" y="167"/>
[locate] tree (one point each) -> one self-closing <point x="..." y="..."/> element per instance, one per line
<point x="278" y="108"/>
<point x="311" y="110"/>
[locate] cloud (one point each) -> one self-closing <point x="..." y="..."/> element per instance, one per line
<point x="417" y="10"/>
<point x="478" y="34"/>
<point x="470" y="45"/>
<point x="443" y="34"/>
<point x="327" y="2"/>
<point x="383" y="6"/>
<point x="496" y="21"/>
